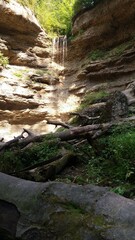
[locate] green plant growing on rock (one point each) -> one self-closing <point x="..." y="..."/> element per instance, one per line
<point x="18" y="74"/>
<point x="92" y="97"/>
<point x="96" y="55"/>
<point x="103" y="54"/>
<point x="85" y="4"/>
<point x="3" y="60"/>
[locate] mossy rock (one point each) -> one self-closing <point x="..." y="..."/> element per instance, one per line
<point x="109" y="108"/>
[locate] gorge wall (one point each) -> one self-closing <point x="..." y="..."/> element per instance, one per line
<point x="105" y="26"/>
<point x="102" y="49"/>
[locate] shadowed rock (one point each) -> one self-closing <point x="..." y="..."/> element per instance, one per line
<point x="9" y="216"/>
<point x="67" y="211"/>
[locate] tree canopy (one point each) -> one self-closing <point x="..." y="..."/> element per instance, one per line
<point x="84" y="4"/>
<point x="55" y="16"/>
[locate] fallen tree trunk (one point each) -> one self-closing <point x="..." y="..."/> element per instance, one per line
<point x="94" y="131"/>
<point x="47" y="171"/>
<point x="69" y="134"/>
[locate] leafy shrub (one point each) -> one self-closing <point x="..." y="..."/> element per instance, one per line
<point x="114" y="164"/>
<point x="9" y="162"/>
<point x="40" y="152"/>
<point x="84" y="4"/>
<point x="55" y="16"/>
<point x="16" y="160"/>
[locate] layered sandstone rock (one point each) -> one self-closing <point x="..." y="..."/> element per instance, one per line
<point x="108" y="24"/>
<point x="21" y="37"/>
<point x="102" y="50"/>
<point x="28" y="97"/>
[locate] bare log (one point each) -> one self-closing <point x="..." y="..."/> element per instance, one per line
<point x="58" y="123"/>
<point x="50" y="170"/>
<point x="94" y="131"/>
<point x="69" y="134"/>
<point x="30" y="134"/>
<point x="101" y="132"/>
<point x="5" y="145"/>
<point x="84" y="116"/>
<point x="40" y="164"/>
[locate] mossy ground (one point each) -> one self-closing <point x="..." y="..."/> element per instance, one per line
<point x="109" y="162"/>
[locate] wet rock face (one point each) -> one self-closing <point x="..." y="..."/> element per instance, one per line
<point x="19" y="25"/>
<point x="106" y="25"/>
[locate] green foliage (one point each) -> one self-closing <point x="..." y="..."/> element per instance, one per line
<point x="119" y="50"/>
<point x="40" y="152"/>
<point x="92" y="97"/>
<point x="126" y="189"/>
<point x="99" y="54"/>
<point x="55" y="16"/>
<point x="84" y="4"/>
<point x="9" y="162"/>
<point x="14" y="161"/>
<point x="3" y="60"/>
<point x="113" y="163"/>
<point x="96" y="55"/>
<point x="109" y="161"/>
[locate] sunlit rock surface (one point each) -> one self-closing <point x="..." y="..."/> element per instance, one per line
<point x="29" y="96"/>
<point x="21" y="37"/>
<point x="25" y="103"/>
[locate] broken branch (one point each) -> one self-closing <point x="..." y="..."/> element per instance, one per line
<point x="58" y="123"/>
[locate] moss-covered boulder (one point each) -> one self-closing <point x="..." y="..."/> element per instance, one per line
<point x="109" y="108"/>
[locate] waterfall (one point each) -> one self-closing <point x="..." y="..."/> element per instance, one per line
<point x="53" y="48"/>
<point x="59" y="50"/>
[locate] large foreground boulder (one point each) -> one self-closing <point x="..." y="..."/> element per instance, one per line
<point x="67" y="211"/>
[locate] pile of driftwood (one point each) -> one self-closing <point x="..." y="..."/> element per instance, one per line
<point x="48" y="169"/>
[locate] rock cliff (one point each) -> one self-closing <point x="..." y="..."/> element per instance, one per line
<point x="102" y="49"/>
<point x="21" y="37"/>
<point x="28" y="94"/>
<point x="107" y="25"/>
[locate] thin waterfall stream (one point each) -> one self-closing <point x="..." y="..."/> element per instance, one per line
<point x="65" y="101"/>
<point x="59" y="50"/>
